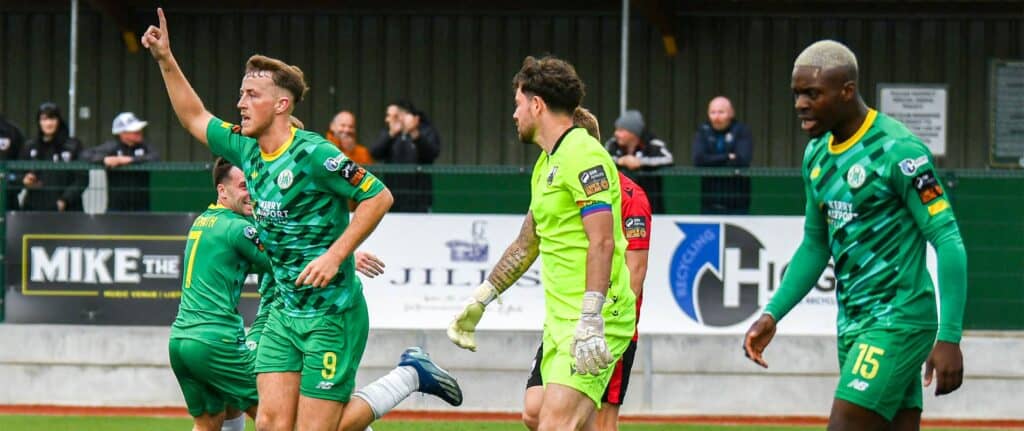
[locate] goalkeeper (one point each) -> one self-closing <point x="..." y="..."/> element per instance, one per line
<point x="573" y="224"/>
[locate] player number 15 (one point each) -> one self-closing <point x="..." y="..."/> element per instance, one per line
<point x="867" y="364"/>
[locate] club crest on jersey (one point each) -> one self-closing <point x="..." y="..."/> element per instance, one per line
<point x="909" y="166"/>
<point x="551" y="175"/>
<point x="855" y="176"/>
<point x="250" y="232"/>
<point x="284" y="179"/>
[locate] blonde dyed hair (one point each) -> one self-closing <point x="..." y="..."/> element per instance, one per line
<point x="828" y="54"/>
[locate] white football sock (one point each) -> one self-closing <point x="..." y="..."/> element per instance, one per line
<point x="386" y="392"/>
<point x="236" y="424"/>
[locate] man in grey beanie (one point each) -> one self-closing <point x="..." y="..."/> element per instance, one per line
<point x="635" y="149"/>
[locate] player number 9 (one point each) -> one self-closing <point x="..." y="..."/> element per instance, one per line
<point x="330" y="365"/>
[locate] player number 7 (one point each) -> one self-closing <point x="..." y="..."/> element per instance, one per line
<point x="192" y="235"/>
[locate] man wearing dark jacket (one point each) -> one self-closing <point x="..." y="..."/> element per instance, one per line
<point x="408" y="137"/>
<point x="50" y="189"/>
<point x="635" y="149"/>
<point x="126" y="190"/>
<point x="723" y="142"/>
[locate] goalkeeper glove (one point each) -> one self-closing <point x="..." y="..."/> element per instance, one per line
<point x="589" y="346"/>
<point x="463" y="328"/>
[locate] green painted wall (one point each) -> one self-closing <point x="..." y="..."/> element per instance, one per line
<point x="458" y="68"/>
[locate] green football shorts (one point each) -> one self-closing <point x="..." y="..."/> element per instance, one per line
<point x="325" y="349"/>
<point x="252" y="338"/>
<point x="213" y="374"/>
<point x="880" y="369"/>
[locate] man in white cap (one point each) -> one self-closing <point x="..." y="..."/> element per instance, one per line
<point x="127" y="190"/>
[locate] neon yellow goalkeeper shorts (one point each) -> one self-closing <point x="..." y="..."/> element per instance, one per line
<point x="558" y="364"/>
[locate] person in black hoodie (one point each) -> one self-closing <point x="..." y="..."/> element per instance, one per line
<point x="408" y="137"/>
<point x="52" y="190"/>
<point x="127" y="190"/>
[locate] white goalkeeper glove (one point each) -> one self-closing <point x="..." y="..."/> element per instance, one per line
<point x="588" y="345"/>
<point x="463" y="327"/>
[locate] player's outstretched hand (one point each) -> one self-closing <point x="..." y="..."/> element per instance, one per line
<point x="462" y="330"/>
<point x="156" y="39"/>
<point x="369" y="264"/>
<point x="319" y="272"/>
<point x="946" y="364"/>
<point x="757" y="339"/>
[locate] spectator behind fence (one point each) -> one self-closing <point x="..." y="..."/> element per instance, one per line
<point x="408" y="137"/>
<point x="46" y="189"/>
<point x="342" y="133"/>
<point x="723" y="142"/>
<point x="126" y="190"/>
<point x="634" y="148"/>
<point x="11" y="141"/>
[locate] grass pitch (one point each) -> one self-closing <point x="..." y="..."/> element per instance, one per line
<point x="123" y="423"/>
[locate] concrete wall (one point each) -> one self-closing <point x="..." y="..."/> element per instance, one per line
<point x="673" y="375"/>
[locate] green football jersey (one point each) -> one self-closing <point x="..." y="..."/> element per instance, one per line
<point x="222" y="248"/>
<point x="577" y="175"/>
<point x="878" y="197"/>
<point x="301" y="195"/>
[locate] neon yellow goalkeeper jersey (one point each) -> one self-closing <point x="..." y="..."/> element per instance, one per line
<point x="576" y="178"/>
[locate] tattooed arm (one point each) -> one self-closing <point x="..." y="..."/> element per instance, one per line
<point x="513" y="263"/>
<point x="517" y="257"/>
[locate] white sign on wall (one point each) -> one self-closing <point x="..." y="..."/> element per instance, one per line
<point x="922" y="108"/>
<point x="705" y="274"/>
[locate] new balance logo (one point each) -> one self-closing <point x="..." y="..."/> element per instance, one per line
<point x="859" y="385"/>
<point x="325" y="385"/>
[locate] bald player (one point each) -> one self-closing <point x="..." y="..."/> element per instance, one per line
<point x="873" y="201"/>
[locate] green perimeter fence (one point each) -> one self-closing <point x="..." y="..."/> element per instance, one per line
<point x="989" y="206"/>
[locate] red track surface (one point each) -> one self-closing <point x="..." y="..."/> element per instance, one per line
<point x="490" y="416"/>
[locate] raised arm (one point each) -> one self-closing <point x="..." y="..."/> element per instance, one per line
<point x="187" y="105"/>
